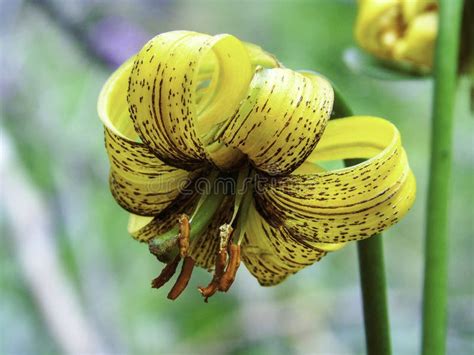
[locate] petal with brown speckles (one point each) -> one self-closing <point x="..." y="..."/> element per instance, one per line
<point x="140" y="182"/>
<point x="174" y="105"/>
<point x="346" y="204"/>
<point x="272" y="254"/>
<point x="281" y="120"/>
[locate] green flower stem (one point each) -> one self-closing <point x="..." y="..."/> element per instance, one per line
<point x="435" y="282"/>
<point x="374" y="295"/>
<point x="372" y="271"/>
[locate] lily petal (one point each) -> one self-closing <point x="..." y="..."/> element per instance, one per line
<point x="271" y="254"/>
<point x="346" y="204"/>
<point x="162" y="92"/>
<point x="281" y="120"/>
<point x="140" y="182"/>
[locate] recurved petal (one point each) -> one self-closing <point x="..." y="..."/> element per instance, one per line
<point x="148" y="195"/>
<point x="140" y="182"/>
<point x="281" y="120"/>
<point x="176" y="101"/>
<point x="346" y="204"/>
<point x="272" y="254"/>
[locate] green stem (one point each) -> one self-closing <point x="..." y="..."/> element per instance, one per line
<point x="435" y="282"/>
<point x="374" y="295"/>
<point x="372" y="271"/>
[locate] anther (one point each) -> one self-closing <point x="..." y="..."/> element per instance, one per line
<point x="221" y="263"/>
<point x="167" y="273"/>
<point x="224" y="235"/>
<point x="170" y="269"/>
<point x="183" y="237"/>
<point x="228" y="277"/>
<point x="183" y="278"/>
<point x="221" y="260"/>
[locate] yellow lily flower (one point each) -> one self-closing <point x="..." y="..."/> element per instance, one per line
<point x="190" y="111"/>
<point x="401" y="31"/>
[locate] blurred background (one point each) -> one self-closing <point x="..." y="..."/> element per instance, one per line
<point x="73" y="281"/>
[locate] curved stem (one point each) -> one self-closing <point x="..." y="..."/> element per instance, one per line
<point x="435" y="282"/>
<point x="372" y="271"/>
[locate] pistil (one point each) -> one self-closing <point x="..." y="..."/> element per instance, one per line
<point x="183" y="237"/>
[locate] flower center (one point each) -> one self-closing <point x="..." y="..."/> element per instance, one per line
<point x="176" y="244"/>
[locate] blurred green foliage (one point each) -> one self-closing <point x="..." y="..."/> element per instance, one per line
<point x="48" y="99"/>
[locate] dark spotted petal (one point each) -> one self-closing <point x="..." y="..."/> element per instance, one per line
<point x="281" y="120"/>
<point x="173" y="104"/>
<point x="140" y="182"/>
<point x="271" y="254"/>
<point x="347" y="204"/>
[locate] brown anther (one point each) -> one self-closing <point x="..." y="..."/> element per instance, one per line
<point x="183" y="278"/>
<point x="209" y="290"/>
<point x="229" y="275"/>
<point x="183" y="237"/>
<point x="167" y="273"/>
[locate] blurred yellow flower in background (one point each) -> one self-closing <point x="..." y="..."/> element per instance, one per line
<point x="400" y="31"/>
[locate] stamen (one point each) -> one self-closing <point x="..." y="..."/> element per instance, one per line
<point x="224" y="235"/>
<point x="221" y="262"/>
<point x="183" y="278"/>
<point x="183" y="237"/>
<point x="175" y="243"/>
<point x="229" y="275"/>
<point x="211" y="289"/>
<point x="228" y="255"/>
<point x="207" y="207"/>
<point x="167" y="273"/>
